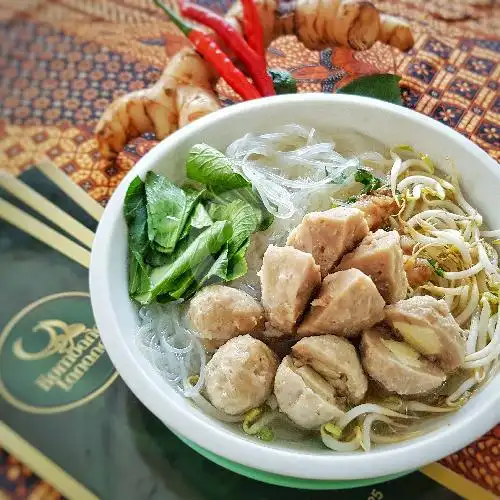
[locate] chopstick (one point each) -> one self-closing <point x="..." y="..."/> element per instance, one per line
<point x="27" y="223"/>
<point x="46" y="208"/>
<point x="65" y="184"/>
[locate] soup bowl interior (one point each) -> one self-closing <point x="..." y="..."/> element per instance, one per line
<point x="116" y="315"/>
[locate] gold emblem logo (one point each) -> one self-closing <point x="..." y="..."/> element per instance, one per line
<point x="61" y="339"/>
<point x="53" y="365"/>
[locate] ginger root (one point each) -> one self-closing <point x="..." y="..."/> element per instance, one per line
<point x="185" y="93"/>
<point x="182" y="94"/>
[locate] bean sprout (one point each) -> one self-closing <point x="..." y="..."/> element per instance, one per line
<point x="342" y="446"/>
<point x="471" y="304"/>
<point x="464" y="387"/>
<point x="355" y="412"/>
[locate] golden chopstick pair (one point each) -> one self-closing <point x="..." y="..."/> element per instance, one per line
<point x="41" y="231"/>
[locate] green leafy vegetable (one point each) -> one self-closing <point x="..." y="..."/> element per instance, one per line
<point x="138" y="272"/>
<point x="265" y="219"/>
<point x="283" y="81"/>
<point x="369" y="181"/>
<point x="209" y="166"/>
<point x="136" y="216"/>
<point x="243" y="220"/>
<point x="384" y="87"/>
<point x="181" y="238"/>
<point x="199" y="219"/>
<point x="165" y="279"/>
<point x="218" y="270"/>
<point x="168" y="208"/>
<point x="156" y="258"/>
<point x="238" y="266"/>
<point x="438" y="270"/>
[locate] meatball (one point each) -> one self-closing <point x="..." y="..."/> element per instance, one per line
<point x="319" y="380"/>
<point x="336" y="360"/>
<point x="428" y="326"/>
<point x="329" y="235"/>
<point x="289" y="277"/>
<point x="240" y="375"/>
<point x="219" y="313"/>
<point x="304" y="396"/>
<point x="397" y="366"/>
<point x="380" y="256"/>
<point x="348" y="302"/>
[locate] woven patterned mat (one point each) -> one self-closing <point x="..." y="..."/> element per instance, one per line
<point x="63" y="61"/>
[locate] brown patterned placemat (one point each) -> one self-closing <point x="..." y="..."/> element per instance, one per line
<point x="17" y="481"/>
<point x="63" y="61"/>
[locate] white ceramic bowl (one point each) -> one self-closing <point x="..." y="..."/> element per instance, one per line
<point x="116" y="315"/>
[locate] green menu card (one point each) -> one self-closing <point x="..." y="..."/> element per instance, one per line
<point x="63" y="403"/>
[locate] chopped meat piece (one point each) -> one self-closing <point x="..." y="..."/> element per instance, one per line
<point x="329" y="235"/>
<point x="377" y="209"/>
<point x="336" y="360"/>
<point x="417" y="271"/>
<point x="306" y="397"/>
<point x="380" y="257"/>
<point x="240" y="375"/>
<point x="288" y="278"/>
<point x="428" y="326"/>
<point x="407" y="244"/>
<point x="396" y="365"/>
<point x="348" y="302"/>
<point x="219" y="313"/>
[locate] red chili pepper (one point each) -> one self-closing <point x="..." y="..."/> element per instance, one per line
<point x="212" y="53"/>
<point x="252" y="27"/>
<point x="254" y="63"/>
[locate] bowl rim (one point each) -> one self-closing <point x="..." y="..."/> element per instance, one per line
<point x="307" y="465"/>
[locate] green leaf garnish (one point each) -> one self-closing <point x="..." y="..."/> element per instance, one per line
<point x="438" y="270"/>
<point x="369" y="181"/>
<point x="384" y="87"/>
<point x="283" y="81"/>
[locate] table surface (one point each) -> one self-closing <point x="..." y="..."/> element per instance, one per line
<point x="63" y="61"/>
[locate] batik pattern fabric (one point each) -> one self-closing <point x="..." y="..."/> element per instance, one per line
<point x="63" y="61"/>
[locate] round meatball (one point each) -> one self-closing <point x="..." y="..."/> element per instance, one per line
<point x="240" y="375"/>
<point x="304" y="396"/>
<point x="336" y="360"/>
<point x="396" y="366"/>
<point x="219" y="313"/>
